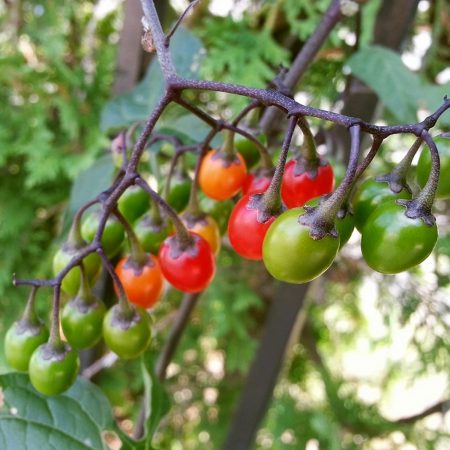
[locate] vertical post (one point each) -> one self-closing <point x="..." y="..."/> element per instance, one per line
<point x="130" y="52"/>
<point x="266" y="366"/>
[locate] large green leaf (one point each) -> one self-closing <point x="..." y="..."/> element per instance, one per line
<point x="155" y="396"/>
<point x="70" y="421"/>
<point x="157" y="406"/>
<point x="384" y="71"/>
<point x="401" y="90"/>
<point x="89" y="184"/>
<point x="139" y="102"/>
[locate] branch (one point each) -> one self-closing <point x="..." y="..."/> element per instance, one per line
<point x="109" y="200"/>
<point x="180" y="19"/>
<point x="106" y="361"/>
<point x="291" y="107"/>
<point x="56" y="281"/>
<point x="304" y="58"/>
<point x="175" y="84"/>
<point x="181" y="320"/>
<point x="219" y="125"/>
<point x="440" y="407"/>
<point x="159" y="39"/>
<point x="250" y="107"/>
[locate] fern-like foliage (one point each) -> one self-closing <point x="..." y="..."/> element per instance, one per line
<point x="238" y="54"/>
<point x="56" y="72"/>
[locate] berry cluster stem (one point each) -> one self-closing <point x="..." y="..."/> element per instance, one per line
<point x="137" y="254"/>
<point x="329" y="209"/>
<point x="308" y="148"/>
<point x="272" y="196"/>
<point x="75" y="238"/>
<point x="29" y="314"/>
<point x="228" y="145"/>
<point x="182" y="232"/>
<point x="403" y="166"/>
<point x="427" y="194"/>
<point x="193" y="208"/>
<point x="85" y="290"/>
<point x="124" y="304"/>
<point x="55" y="336"/>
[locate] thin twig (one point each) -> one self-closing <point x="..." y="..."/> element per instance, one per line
<point x="250" y="107"/>
<point x="178" y="22"/>
<point x="181" y="320"/>
<point x="439" y="407"/>
<point x="304" y="58"/>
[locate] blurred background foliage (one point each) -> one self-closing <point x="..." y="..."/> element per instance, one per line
<point x="367" y="350"/>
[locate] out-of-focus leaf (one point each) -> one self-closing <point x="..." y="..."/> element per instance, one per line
<point x="443" y="245"/>
<point x="383" y="70"/>
<point x="139" y="102"/>
<point x="89" y="183"/>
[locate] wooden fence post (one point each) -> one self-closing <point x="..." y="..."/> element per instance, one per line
<point x="266" y="366"/>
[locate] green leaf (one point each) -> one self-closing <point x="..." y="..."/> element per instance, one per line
<point x="137" y="104"/>
<point x="89" y="183"/>
<point x="433" y="96"/>
<point x="157" y="404"/>
<point x="156" y="398"/>
<point x="384" y="71"/>
<point x="401" y="90"/>
<point x="71" y="421"/>
<point x="237" y="53"/>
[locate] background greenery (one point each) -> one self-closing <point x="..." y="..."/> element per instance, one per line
<point x="372" y="349"/>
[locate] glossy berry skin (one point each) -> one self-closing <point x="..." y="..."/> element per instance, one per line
<point x="113" y="233"/>
<point x="82" y="320"/>
<point x="290" y="254"/>
<point x="219" y="211"/>
<point x="133" y="203"/>
<point x="53" y="371"/>
<point x="219" y="178"/>
<point x="392" y="242"/>
<point x="255" y="184"/>
<point x="180" y="189"/>
<point x="127" y="337"/>
<point x="248" y="149"/>
<point x="297" y="189"/>
<point x="345" y="226"/>
<point x="424" y="167"/>
<point x="21" y="340"/>
<point x="207" y="228"/>
<point x="71" y="282"/>
<point x="143" y="284"/>
<point x="245" y="231"/>
<point x="151" y="234"/>
<point x="191" y="269"/>
<point x="369" y="195"/>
